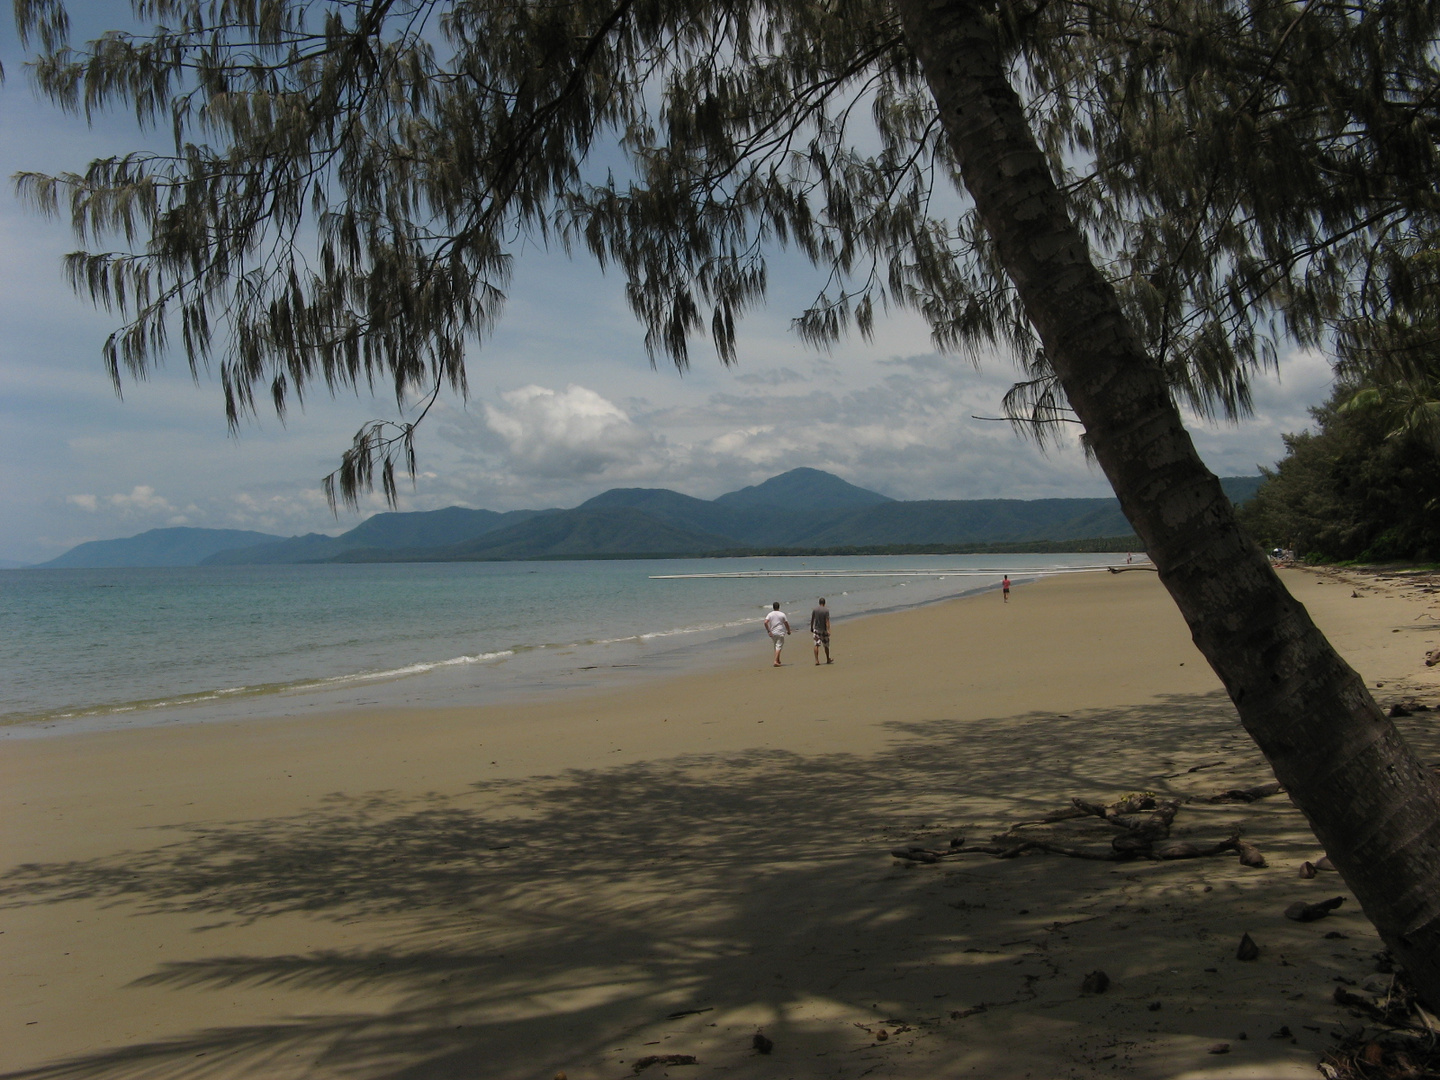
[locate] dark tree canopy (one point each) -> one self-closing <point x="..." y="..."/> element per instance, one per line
<point x="350" y="179"/>
<point x="1355" y="488"/>
<point x="1365" y="485"/>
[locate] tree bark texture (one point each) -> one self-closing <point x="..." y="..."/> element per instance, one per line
<point x="1372" y="804"/>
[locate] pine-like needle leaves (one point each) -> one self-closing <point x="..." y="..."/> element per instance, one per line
<point x="349" y="179"/>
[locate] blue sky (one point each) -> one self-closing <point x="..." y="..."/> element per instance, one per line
<point x="564" y="403"/>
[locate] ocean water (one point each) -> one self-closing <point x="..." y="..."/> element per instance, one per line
<point x="114" y="647"/>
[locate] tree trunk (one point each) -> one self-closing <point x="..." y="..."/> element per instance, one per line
<point x="1372" y="805"/>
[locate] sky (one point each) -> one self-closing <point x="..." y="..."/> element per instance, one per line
<point x="563" y="403"/>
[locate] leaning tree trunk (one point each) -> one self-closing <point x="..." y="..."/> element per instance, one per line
<point x="1373" y="806"/>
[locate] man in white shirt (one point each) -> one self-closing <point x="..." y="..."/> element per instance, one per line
<point x="777" y="626"/>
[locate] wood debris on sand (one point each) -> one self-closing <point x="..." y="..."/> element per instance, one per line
<point x="1139" y="828"/>
<point x="1404" y="1044"/>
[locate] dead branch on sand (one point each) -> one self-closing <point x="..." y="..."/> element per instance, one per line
<point x="1142" y="823"/>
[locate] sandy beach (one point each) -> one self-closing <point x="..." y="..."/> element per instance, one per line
<point x="666" y="868"/>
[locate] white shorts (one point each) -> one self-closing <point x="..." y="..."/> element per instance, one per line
<point x="779" y="640"/>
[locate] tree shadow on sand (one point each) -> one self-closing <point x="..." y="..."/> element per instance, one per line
<point x="603" y="901"/>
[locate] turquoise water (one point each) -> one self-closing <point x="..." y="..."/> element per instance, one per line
<point x="155" y="645"/>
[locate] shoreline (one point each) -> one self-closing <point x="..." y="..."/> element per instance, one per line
<point x="512" y="675"/>
<point x="666" y="867"/>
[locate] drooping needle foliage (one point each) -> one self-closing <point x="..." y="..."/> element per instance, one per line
<point x="349" y="181"/>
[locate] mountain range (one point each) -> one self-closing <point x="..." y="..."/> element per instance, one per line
<point x="159" y="547"/>
<point x="804" y="509"/>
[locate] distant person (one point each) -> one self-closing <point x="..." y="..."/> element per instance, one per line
<point x="1005" y="588"/>
<point x="777" y="626"/>
<point x="820" y="628"/>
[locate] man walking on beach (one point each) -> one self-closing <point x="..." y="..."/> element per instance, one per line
<point x="777" y="626"/>
<point x="820" y="628"/>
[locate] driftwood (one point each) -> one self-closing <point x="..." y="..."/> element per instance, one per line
<point x="1300" y="911"/>
<point x="1143" y="822"/>
<point x="1241" y="795"/>
<point x="1407" y="707"/>
<point x="1396" y="1008"/>
<point x="1122" y="848"/>
<point x="662" y="1059"/>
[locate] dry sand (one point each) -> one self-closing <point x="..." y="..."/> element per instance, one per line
<point x="577" y="884"/>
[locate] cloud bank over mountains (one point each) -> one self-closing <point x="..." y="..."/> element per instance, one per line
<point x="908" y="431"/>
<point x="567" y="434"/>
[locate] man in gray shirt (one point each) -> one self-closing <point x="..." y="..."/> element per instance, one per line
<point x="820" y="628"/>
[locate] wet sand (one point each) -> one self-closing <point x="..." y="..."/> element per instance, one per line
<point x="579" y="883"/>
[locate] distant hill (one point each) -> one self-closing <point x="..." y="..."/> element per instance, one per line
<point x="801" y="490"/>
<point x="660" y="527"/>
<point x="671" y="507"/>
<point x="618" y="530"/>
<point x="426" y="528"/>
<point x="1241" y="489"/>
<point x="803" y="509"/>
<point x="312" y="547"/>
<point x="417" y="529"/>
<point x="971" y="521"/>
<point x="159" y="547"/>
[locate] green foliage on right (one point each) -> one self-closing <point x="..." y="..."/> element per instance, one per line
<point x="1355" y="489"/>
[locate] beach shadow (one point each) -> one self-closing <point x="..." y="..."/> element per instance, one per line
<point x="619" y="901"/>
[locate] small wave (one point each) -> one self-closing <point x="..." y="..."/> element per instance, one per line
<point x="259" y="690"/>
<point x="650" y="635"/>
<point x="705" y="628"/>
<point x="408" y="669"/>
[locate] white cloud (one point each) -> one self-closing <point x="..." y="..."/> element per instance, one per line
<point x="903" y="425"/>
<point x="771" y="377"/>
<point x="571" y="433"/>
<point x="141" y="500"/>
<point x="1282" y="403"/>
<point x="289" y="511"/>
